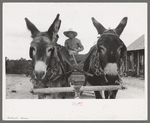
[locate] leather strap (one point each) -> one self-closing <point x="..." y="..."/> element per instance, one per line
<point x="81" y="71"/>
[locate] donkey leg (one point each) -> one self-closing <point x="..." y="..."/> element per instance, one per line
<point x="63" y="95"/>
<point x="106" y="93"/>
<point x="98" y="95"/>
<point x="113" y="94"/>
<point x="54" y="96"/>
<point x="41" y="96"/>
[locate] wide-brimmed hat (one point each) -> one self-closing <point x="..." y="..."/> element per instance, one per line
<point x="70" y="30"/>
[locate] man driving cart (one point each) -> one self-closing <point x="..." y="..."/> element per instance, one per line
<point x="73" y="44"/>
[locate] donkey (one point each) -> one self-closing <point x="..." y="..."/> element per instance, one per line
<point x="49" y="68"/>
<point x="104" y="59"/>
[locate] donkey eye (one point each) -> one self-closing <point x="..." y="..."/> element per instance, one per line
<point x="102" y="49"/>
<point x="49" y="50"/>
<point x="33" y="48"/>
<point x="32" y="52"/>
<point x="119" y="51"/>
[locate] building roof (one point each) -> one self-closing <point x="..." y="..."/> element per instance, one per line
<point x="137" y="44"/>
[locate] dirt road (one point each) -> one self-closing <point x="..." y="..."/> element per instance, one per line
<point x="19" y="86"/>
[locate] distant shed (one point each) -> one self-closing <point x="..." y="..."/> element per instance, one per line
<point x="134" y="65"/>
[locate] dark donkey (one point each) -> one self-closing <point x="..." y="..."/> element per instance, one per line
<point x="105" y="58"/>
<point x="48" y="66"/>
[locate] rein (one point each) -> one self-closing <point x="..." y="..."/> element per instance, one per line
<point x="52" y="74"/>
<point x="61" y="65"/>
<point x="98" y="71"/>
<point x="81" y="71"/>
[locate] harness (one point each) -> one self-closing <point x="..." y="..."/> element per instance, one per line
<point x="53" y="71"/>
<point x="81" y="71"/>
<point x="95" y="63"/>
<point x="108" y="33"/>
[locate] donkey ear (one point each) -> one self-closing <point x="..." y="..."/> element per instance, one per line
<point x="98" y="26"/>
<point x="121" y="26"/>
<point x="54" y="28"/>
<point x="31" y="27"/>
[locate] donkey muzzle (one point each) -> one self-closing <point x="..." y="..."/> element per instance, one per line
<point x="40" y="70"/>
<point x="111" y="72"/>
<point x="39" y="75"/>
<point x="111" y="69"/>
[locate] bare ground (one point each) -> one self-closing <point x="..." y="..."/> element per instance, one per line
<point x="19" y="86"/>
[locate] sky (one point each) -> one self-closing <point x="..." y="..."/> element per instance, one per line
<point x="77" y="16"/>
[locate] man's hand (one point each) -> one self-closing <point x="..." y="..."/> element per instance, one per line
<point x="72" y="52"/>
<point x="80" y="49"/>
<point x="76" y="50"/>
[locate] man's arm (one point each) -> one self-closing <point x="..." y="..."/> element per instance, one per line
<point x="81" y="48"/>
<point x="66" y="44"/>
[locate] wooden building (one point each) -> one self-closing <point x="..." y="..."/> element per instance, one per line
<point x="134" y="65"/>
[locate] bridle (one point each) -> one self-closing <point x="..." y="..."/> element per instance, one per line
<point x="108" y="33"/>
<point x="98" y="70"/>
<point x="54" y="75"/>
<point x="52" y="72"/>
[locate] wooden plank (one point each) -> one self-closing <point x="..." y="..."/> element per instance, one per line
<point x="83" y="88"/>
<point x="54" y="90"/>
<point x="102" y="88"/>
